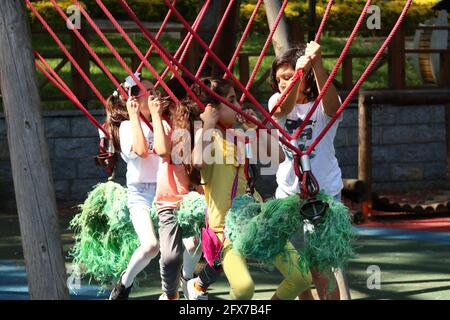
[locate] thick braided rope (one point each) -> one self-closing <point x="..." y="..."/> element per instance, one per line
<point x="66" y="52"/>
<point x="335" y="69"/>
<point x="115" y="54"/>
<point x="363" y="77"/>
<point x="59" y="82"/>
<point x="231" y="75"/>
<point x="264" y="50"/>
<point x="187" y="41"/>
<point x="243" y="37"/>
<point x="317" y="39"/>
<point x="133" y="47"/>
<point x="166" y="56"/>
<point x="158" y="35"/>
<point x="215" y="37"/>
<point x="324" y="20"/>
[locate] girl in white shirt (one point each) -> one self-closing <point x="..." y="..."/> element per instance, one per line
<point x="290" y="115"/>
<point x="134" y="140"/>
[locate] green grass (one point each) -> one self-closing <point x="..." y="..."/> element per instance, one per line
<point x="44" y="44"/>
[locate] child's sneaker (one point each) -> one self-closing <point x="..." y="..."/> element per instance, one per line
<point x="119" y="292"/>
<point x="194" y="292"/>
<point x="184" y="282"/>
<point x="164" y="296"/>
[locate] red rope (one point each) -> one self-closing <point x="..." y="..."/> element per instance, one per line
<point x="72" y="60"/>
<point x="324" y="19"/>
<point x="52" y="71"/>
<point x="244" y="36"/>
<point x="61" y="85"/>
<point x="168" y="59"/>
<point x="107" y="43"/>
<point x="183" y="49"/>
<point x="334" y="71"/>
<point x="190" y="38"/>
<point x="158" y="35"/>
<point x="363" y="77"/>
<point x="110" y="47"/>
<point x="224" y="68"/>
<point x="66" y="52"/>
<point x="299" y="73"/>
<point x="215" y="37"/>
<point x="133" y="47"/>
<point x="264" y="50"/>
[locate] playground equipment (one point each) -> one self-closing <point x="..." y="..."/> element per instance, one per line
<point x="309" y="188"/>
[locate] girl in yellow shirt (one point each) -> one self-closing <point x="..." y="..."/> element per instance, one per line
<point x="222" y="175"/>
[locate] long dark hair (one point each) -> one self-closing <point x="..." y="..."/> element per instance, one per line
<point x="116" y="112"/>
<point x="290" y="58"/>
<point x="188" y="111"/>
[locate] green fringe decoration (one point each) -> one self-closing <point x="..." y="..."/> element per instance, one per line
<point x="243" y="209"/>
<point x="260" y="231"/>
<point x="332" y="243"/>
<point x="104" y="235"/>
<point x="191" y="214"/>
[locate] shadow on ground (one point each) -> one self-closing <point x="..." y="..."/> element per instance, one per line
<point x="413" y="265"/>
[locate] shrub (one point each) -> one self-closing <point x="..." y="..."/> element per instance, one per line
<point x="49" y="13"/>
<point x="147" y="10"/>
<point x="419" y="11"/>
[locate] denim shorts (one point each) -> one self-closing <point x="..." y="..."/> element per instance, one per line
<point x="141" y="194"/>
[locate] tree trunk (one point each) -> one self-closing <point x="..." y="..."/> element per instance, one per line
<point x="30" y="162"/>
<point x="226" y="43"/>
<point x="280" y="40"/>
<point x="311" y="20"/>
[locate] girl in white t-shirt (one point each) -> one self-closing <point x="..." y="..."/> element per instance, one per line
<point x="290" y="115"/>
<point x="134" y="140"/>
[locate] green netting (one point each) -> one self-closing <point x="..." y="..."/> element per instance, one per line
<point x="104" y="235"/>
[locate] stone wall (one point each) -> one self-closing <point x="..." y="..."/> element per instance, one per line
<point x="409" y="151"/>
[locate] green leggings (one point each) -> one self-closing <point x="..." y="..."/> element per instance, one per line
<point x="242" y="286"/>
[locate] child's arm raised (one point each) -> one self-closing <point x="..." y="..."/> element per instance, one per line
<point x="330" y="100"/>
<point x="210" y="117"/>
<point x="161" y="144"/>
<point x="139" y="143"/>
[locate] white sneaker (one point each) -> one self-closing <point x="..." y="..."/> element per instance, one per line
<point x="184" y="283"/>
<point x="193" y="293"/>
<point x="164" y="296"/>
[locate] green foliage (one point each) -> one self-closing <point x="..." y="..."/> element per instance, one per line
<point x="344" y="14"/>
<point x="104" y="235"/>
<point x="260" y="231"/>
<point x="146" y="10"/>
<point x="47" y="10"/>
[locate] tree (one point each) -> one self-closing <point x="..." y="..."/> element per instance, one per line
<point x="280" y="40"/>
<point x="33" y="184"/>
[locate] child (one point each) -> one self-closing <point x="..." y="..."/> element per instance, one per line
<point x="223" y="180"/>
<point x="134" y="140"/>
<point x="130" y="137"/>
<point x="290" y="115"/>
<point x="173" y="184"/>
